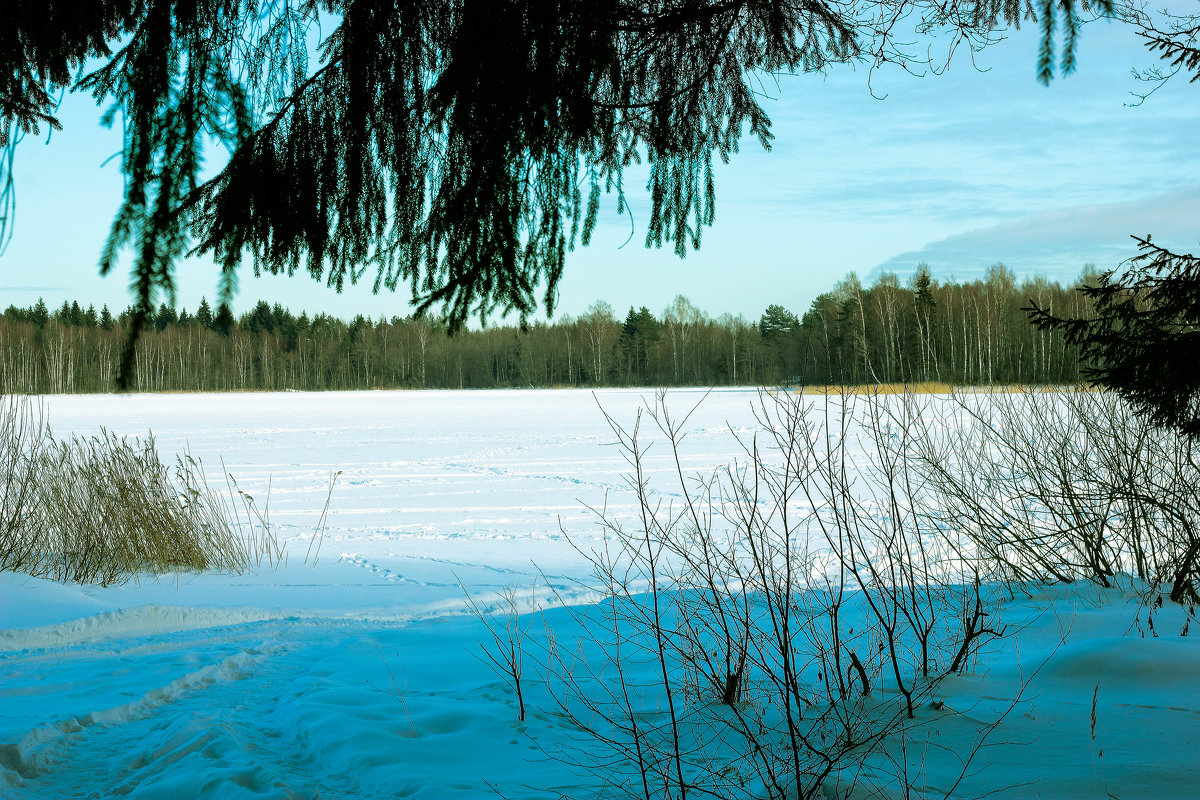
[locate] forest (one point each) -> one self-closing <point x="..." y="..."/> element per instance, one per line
<point x="962" y="333"/>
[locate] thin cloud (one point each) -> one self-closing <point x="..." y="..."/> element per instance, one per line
<point x="1058" y="243"/>
<point x="33" y="288"/>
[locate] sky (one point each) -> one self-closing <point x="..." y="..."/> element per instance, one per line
<point x="868" y="173"/>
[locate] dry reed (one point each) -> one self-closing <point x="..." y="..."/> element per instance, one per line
<point x="104" y="509"/>
<point x="930" y="387"/>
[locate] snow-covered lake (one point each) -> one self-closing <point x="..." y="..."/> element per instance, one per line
<point x="356" y="676"/>
<point x="436" y="488"/>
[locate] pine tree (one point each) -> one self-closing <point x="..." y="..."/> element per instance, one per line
<point x="777" y="321"/>
<point x="39" y="315"/>
<point x="204" y="314"/>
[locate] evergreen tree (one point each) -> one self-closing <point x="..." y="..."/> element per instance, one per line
<point x="777" y="321"/>
<point x="204" y="315"/>
<point x="39" y="315"/>
<point x="1143" y="338"/>
<point x="820" y="329"/>
<point x="851" y="342"/>
<point x="639" y="333"/>
<point x="90" y="319"/>
<point x="280" y="315"/>
<point x="106" y="318"/>
<point x="780" y="332"/>
<point x="259" y="319"/>
<point x="165" y="317"/>
<point x="289" y="331"/>
<point x="924" y="306"/>
<point x="224" y="322"/>
<point x="358" y="329"/>
<point x="923" y="290"/>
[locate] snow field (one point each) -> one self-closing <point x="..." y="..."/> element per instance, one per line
<point x="360" y="676"/>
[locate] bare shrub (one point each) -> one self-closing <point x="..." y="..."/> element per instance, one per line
<point x="769" y="625"/>
<point x="505" y="652"/>
<point x="1062" y="486"/>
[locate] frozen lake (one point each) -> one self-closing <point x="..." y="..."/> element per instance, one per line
<point x="436" y="487"/>
<point x="359" y="676"/>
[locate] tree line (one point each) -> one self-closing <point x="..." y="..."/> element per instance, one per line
<point x="965" y="333"/>
<point x="468" y="134"/>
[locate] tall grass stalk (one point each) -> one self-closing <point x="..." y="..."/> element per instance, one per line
<point x="22" y="434"/>
<point x="104" y="509"/>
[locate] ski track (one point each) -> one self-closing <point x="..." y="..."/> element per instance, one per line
<point x="141" y="699"/>
<point x="236" y="720"/>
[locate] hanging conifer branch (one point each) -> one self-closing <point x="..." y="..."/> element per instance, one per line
<point x="1144" y="335"/>
<point x="459" y="169"/>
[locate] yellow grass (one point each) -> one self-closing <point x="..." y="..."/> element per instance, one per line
<point x="927" y="387"/>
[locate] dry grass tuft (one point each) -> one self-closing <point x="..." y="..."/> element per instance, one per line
<point x="104" y="509"/>
<point x="22" y="435"/>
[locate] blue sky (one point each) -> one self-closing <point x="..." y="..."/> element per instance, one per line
<point x="961" y="170"/>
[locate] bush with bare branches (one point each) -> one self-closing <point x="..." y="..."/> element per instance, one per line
<point x="770" y="625"/>
<point x="1063" y="486"/>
